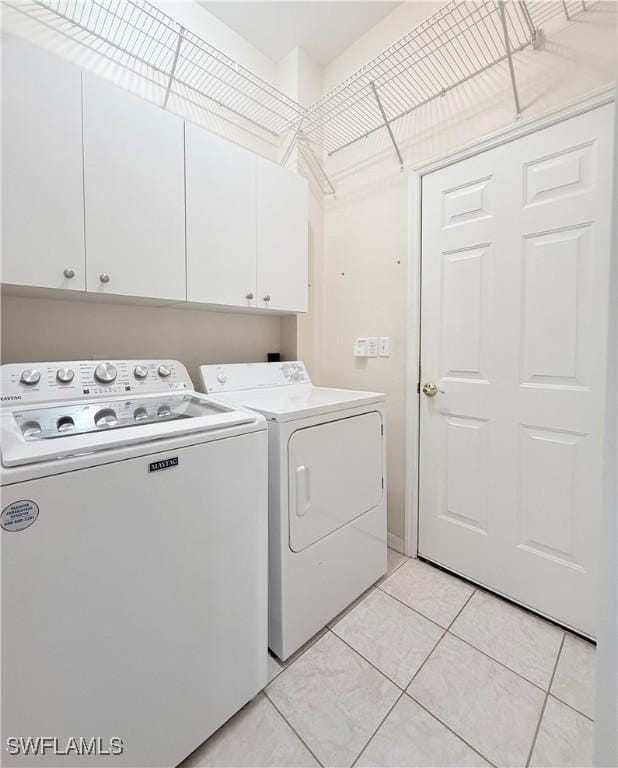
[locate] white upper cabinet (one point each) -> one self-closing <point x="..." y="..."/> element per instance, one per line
<point x="100" y="190"/>
<point x="135" y="203"/>
<point x="42" y="179"/>
<point x="282" y="238"/>
<point x="221" y="220"/>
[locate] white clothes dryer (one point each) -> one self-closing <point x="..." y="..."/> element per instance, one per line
<point x="327" y="492"/>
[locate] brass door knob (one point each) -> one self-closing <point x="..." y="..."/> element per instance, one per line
<point x="431" y="390"/>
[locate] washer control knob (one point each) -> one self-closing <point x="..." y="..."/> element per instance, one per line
<point x="140" y="413"/>
<point x="30" y="376"/>
<point x="164" y="411"/>
<point x="221" y="378"/>
<point x="65" y="424"/>
<point x="164" y="371"/>
<point x="106" y="417"/>
<point x="31" y="429"/>
<point x="105" y="373"/>
<point x="65" y="375"/>
<point x="140" y="371"/>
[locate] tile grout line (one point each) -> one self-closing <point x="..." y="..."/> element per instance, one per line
<point x="411" y="608"/>
<point x="500" y="663"/>
<point x="570" y="706"/>
<point x="353" y="605"/>
<point x="364" y="658"/>
<point x="370" y="739"/>
<point x="429" y="712"/>
<point x="289" y="724"/>
<point x="448" y="728"/>
<point x="404" y="690"/>
<point x="471" y="645"/>
<point x="538" y="725"/>
<point x="440" y="639"/>
<point x="301" y="652"/>
<point x="356" y="651"/>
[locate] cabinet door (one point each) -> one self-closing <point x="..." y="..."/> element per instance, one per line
<point x="221" y="239"/>
<point x="42" y="171"/>
<point x="282" y="234"/>
<point x="135" y="203"/>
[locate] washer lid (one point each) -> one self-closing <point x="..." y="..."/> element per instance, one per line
<point x="54" y="431"/>
<point x="300" y="401"/>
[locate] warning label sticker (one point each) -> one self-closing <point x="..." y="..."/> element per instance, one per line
<point x="19" y="515"/>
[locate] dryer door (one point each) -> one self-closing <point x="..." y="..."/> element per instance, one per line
<point x="335" y="475"/>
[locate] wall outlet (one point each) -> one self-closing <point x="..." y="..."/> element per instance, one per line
<point x="384" y="346"/>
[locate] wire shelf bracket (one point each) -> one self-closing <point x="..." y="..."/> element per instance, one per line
<point x="459" y="42"/>
<point x="315" y="167"/>
<point x="507" y="46"/>
<point x="138" y="37"/>
<point x="173" y="71"/>
<point x="387" y="123"/>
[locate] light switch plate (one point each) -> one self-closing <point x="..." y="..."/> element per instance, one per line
<point x="384" y="346"/>
<point x="372" y="346"/>
<point x="360" y="347"/>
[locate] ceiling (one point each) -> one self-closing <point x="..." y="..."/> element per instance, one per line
<point x="323" y="29"/>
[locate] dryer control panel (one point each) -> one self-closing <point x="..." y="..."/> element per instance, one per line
<point x="234" y="377"/>
<point x="85" y="379"/>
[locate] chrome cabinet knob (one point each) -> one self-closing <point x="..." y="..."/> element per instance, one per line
<point x="164" y="371"/>
<point x="249" y="296"/>
<point x="104" y="278"/>
<point x="69" y="273"/>
<point x="140" y="371"/>
<point x="30" y="376"/>
<point x="267" y="298"/>
<point x="431" y="390"/>
<point x="64" y="375"/>
<point x="105" y="373"/>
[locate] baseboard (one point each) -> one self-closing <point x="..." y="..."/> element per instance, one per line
<point x="394" y="542"/>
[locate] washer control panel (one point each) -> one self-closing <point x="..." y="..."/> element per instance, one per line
<point x="231" y="378"/>
<point x="74" y="380"/>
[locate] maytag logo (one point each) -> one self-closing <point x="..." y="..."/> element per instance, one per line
<point x="10" y="397"/>
<point x="155" y="466"/>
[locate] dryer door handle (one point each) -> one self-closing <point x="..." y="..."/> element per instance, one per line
<point x="303" y="490"/>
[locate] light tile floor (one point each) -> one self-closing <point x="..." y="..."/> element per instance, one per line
<point x="424" y="669"/>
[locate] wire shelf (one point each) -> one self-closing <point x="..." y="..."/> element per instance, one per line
<point x="458" y="42"/>
<point x="137" y="36"/>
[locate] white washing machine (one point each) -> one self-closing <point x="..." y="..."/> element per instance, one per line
<point x="134" y="563"/>
<point x="327" y="492"/>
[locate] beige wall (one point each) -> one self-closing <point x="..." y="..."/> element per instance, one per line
<point x="358" y="243"/>
<point x="360" y="286"/>
<point x="42" y="329"/>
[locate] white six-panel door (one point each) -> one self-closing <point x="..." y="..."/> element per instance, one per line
<point x="515" y="260"/>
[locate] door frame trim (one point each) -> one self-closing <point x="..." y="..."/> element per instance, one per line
<point x="594" y="100"/>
